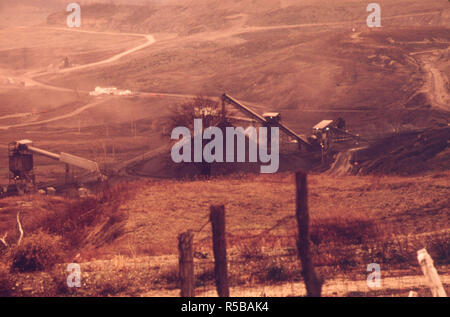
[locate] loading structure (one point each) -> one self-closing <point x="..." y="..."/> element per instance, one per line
<point x="21" y="164"/>
<point x="328" y="132"/>
<point x="269" y="119"/>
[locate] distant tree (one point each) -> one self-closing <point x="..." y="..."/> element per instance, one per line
<point x="183" y="115"/>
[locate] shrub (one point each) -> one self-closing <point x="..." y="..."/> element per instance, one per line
<point x="205" y="277"/>
<point x="170" y="277"/>
<point x="110" y="288"/>
<point x="5" y="282"/>
<point x="114" y="287"/>
<point x="439" y="250"/>
<point x="251" y="252"/>
<point x="354" y="231"/>
<point x="76" y="219"/>
<point x="183" y="115"/>
<point x="39" y="252"/>
<point x="277" y="273"/>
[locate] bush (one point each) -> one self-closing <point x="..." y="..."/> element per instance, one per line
<point x="205" y="277"/>
<point x="277" y="273"/>
<point x="75" y="220"/>
<point x="5" y="283"/>
<point x="251" y="252"/>
<point x="354" y="231"/>
<point x="439" y="250"/>
<point x="39" y="252"/>
<point x="183" y="115"/>
<point x="117" y="286"/>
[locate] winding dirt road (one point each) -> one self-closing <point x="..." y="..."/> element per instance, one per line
<point x="438" y="90"/>
<point x="57" y="118"/>
<point x="30" y="79"/>
<point x="435" y="85"/>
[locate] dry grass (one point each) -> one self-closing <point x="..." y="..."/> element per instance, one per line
<point x="347" y="210"/>
<point x="351" y="227"/>
<point x="5" y="282"/>
<point x="20" y="51"/>
<point x="58" y="229"/>
<point x="39" y="252"/>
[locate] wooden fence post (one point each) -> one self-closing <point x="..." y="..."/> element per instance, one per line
<point x="428" y="269"/>
<point x="217" y="218"/>
<point x="312" y="282"/>
<point x="186" y="264"/>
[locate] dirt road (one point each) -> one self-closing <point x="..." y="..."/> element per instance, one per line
<point x="31" y="78"/>
<point x="64" y="116"/>
<point x="240" y="28"/>
<point x="438" y="91"/>
<point x="435" y="85"/>
<point x="331" y="288"/>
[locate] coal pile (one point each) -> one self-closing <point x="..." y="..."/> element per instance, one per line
<point x="406" y="153"/>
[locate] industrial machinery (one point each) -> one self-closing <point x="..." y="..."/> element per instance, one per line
<point x="269" y="119"/>
<point x="328" y="132"/>
<point x="324" y="134"/>
<point x="21" y="165"/>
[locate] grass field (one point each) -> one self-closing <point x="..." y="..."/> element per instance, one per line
<point x="355" y="221"/>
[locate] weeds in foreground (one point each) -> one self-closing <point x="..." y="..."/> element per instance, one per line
<point x="5" y="282"/>
<point x="39" y="252"/>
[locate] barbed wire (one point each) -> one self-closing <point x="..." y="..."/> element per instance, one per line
<point x="260" y="235"/>
<point x="202" y="227"/>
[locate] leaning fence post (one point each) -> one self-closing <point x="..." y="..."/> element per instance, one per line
<point x="312" y="282"/>
<point x="428" y="269"/>
<point x="186" y="264"/>
<point x="217" y="217"/>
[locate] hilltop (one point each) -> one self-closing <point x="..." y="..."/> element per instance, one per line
<point x="310" y="61"/>
<point x="267" y="54"/>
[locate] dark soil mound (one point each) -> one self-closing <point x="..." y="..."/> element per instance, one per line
<point x="163" y="167"/>
<point x="406" y="153"/>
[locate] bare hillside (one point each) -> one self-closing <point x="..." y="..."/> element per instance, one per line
<point x="360" y="74"/>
